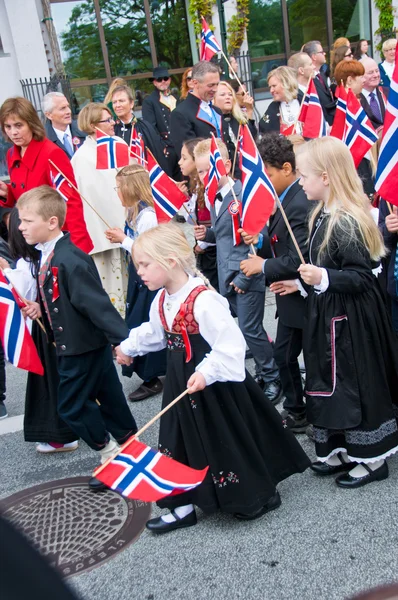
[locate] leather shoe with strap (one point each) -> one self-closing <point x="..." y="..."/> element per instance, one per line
<point x="347" y="481"/>
<point x="273" y="503"/>
<point x="323" y="468"/>
<point x="159" y="526"/>
<point x="146" y="390"/>
<point x="96" y="485"/>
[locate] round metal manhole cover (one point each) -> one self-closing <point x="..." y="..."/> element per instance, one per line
<point x="75" y="528"/>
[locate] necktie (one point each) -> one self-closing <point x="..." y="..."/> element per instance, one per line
<point x="68" y="145"/>
<point x="321" y="80"/>
<point x="374" y="105"/>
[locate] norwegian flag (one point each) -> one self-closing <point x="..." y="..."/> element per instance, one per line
<point x="60" y="184"/>
<point x="360" y="134"/>
<point x="216" y="171"/>
<point x="339" y="122"/>
<point x="258" y="193"/>
<point x="288" y="130"/>
<point x="112" y="152"/>
<point x="137" y="147"/>
<point x="208" y="43"/>
<point x="19" y="348"/>
<point x="387" y="169"/>
<point x="167" y="197"/>
<point x="141" y="473"/>
<point x="311" y="114"/>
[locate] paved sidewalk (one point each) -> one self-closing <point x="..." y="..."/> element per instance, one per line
<point x="324" y="543"/>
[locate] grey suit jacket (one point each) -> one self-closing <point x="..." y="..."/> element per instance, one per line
<point x="228" y="255"/>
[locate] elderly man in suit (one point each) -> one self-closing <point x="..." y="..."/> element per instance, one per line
<point x="318" y="56"/>
<point x="157" y="108"/>
<point x="60" y="128"/>
<point x="196" y="116"/>
<point x="280" y="267"/>
<point x="372" y="99"/>
<point x="246" y="295"/>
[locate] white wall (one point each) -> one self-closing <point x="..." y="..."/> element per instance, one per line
<point x="24" y="52"/>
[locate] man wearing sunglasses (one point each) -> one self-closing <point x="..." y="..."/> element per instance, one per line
<point x="318" y="56"/>
<point x="157" y="108"/>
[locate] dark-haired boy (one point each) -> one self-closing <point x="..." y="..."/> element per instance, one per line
<point x="281" y="263"/>
<point x="83" y="323"/>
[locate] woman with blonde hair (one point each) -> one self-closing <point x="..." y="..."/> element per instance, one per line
<point x="97" y="186"/>
<point x="386" y="67"/>
<point x="349" y="349"/>
<point x="135" y="196"/>
<point x="118" y="81"/>
<point x="226" y="100"/>
<point x="283" y="111"/>
<point x="225" y="423"/>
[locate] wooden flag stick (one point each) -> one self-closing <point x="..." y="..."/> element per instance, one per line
<point x="301" y="104"/>
<point x="290" y="229"/>
<point x="25" y="301"/>
<point x="139" y="157"/>
<point x="236" y="150"/>
<point x="191" y="215"/>
<point x="252" y="248"/>
<point x="232" y="70"/>
<point x="390" y="208"/>
<point x="136" y="435"/>
<point x="81" y="196"/>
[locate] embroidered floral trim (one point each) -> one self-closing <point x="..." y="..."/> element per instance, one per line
<point x="174" y="341"/>
<point x="224" y="478"/>
<point x="165" y="451"/>
<point x="193" y="403"/>
<point x="358" y="437"/>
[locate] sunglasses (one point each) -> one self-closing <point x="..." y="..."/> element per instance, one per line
<point x="349" y="54"/>
<point x="160" y="79"/>
<point x="189" y="78"/>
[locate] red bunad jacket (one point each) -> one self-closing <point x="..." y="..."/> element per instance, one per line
<point x="33" y="170"/>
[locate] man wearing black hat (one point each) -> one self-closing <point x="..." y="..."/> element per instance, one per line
<point x="156" y="109"/>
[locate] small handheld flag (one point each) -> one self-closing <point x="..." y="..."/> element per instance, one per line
<point x="339" y="122"/>
<point x="60" y="184"/>
<point x="112" y="152"/>
<point x="19" y="348"/>
<point x="167" y="196"/>
<point x="258" y="194"/>
<point x="311" y="114"/>
<point x="387" y="168"/>
<point x="216" y="171"/>
<point x="137" y="147"/>
<point x="360" y="134"/>
<point x="141" y="473"/>
<point x="208" y="43"/>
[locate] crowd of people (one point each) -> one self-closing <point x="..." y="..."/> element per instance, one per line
<point x="100" y="272"/>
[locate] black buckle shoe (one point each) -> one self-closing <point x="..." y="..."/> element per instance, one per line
<point x="159" y="526"/>
<point x="272" y="389"/>
<point x="294" y="423"/>
<point x="273" y="503"/>
<point x="96" y="485"/>
<point x="347" y="481"/>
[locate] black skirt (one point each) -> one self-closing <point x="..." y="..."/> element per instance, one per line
<point x="138" y="304"/>
<point x="41" y="421"/>
<point x="231" y="427"/>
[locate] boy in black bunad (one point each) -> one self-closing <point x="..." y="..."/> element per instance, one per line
<point x="81" y="320"/>
<point x="281" y="263"/>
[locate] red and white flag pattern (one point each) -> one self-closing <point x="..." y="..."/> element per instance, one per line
<point x="112" y="152"/>
<point x="167" y="196"/>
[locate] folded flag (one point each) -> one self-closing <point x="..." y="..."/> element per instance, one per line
<point x="137" y="147"/>
<point x="141" y="473"/>
<point x="112" y="152"/>
<point x="360" y="135"/>
<point x="311" y="114"/>
<point x="258" y="194"/>
<point x="19" y="348"/>
<point x="216" y="171"/>
<point x="167" y="196"/>
<point x="339" y="122"/>
<point x="387" y="169"/>
<point x="208" y="43"/>
<point x="60" y="184"/>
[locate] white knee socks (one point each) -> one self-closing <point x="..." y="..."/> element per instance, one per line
<point x="181" y="511"/>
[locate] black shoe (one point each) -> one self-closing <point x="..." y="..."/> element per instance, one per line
<point x="160" y="526"/>
<point x="323" y="468"/>
<point x="146" y="390"/>
<point x="294" y="423"/>
<point x="310" y="433"/>
<point x="96" y="485"/>
<point x="272" y="389"/>
<point x="3" y="411"/>
<point x="273" y="503"/>
<point x="347" y="481"/>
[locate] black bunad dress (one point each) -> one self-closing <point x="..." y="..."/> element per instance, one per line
<point x="350" y="355"/>
<point x="231" y="427"/>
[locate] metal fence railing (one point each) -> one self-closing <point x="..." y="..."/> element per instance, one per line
<point x="35" y="89"/>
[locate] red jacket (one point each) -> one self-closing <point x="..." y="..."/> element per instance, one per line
<point x="33" y="169"/>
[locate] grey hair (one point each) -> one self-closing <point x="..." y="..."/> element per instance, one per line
<point x="310" y="47"/>
<point x="47" y="101"/>
<point x="200" y="70"/>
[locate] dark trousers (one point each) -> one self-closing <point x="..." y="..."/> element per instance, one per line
<point x="2" y="374"/>
<point x="394" y="314"/>
<point x="288" y="345"/>
<point x="83" y="380"/>
<point x="249" y="308"/>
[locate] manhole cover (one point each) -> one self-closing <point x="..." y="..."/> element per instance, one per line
<point x="75" y="528"/>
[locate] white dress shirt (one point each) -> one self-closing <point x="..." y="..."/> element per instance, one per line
<point x="61" y="134"/>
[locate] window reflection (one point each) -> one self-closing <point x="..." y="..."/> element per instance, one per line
<point x="265" y="31"/>
<point x="170" y="30"/>
<point x="351" y="20"/>
<point x="260" y="71"/>
<point x="307" y="21"/>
